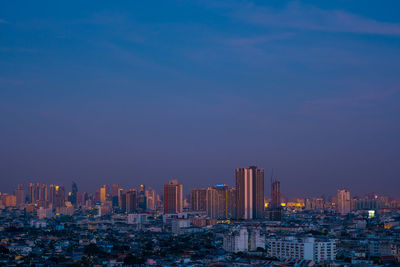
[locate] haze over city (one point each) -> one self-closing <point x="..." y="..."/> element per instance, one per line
<point x="132" y="94"/>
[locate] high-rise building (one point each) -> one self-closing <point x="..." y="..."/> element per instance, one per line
<point x="20" y="195"/>
<point x="74" y="195"/>
<point x="250" y="193"/>
<point x="231" y="203"/>
<point x="103" y="194"/>
<point x="57" y="196"/>
<point x="258" y="192"/>
<point x="275" y="209"/>
<point x="37" y="193"/>
<point x="343" y="201"/>
<point x="141" y="199"/>
<point x="217" y="207"/>
<point x="150" y="199"/>
<point x="198" y="199"/>
<point x="173" y="199"/>
<point x="115" y="195"/>
<point x="131" y="201"/>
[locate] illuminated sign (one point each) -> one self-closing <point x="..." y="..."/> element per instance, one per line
<point x="371" y="214"/>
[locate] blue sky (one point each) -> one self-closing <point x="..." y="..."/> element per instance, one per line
<point x="141" y="92"/>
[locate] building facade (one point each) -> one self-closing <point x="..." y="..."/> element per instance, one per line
<point x="307" y="248"/>
<point x="173" y="199"/>
<point x="250" y="193"/>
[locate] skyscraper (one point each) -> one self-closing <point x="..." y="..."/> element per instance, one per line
<point x="20" y="195"/>
<point x="275" y="209"/>
<point x="37" y="193"/>
<point x="150" y="199"/>
<point x="141" y="199"/>
<point x="250" y="193"/>
<point x="103" y="194"/>
<point x="258" y="192"/>
<point x="115" y="195"/>
<point x="74" y="194"/>
<point x="344" y="201"/>
<point x="231" y="200"/>
<point x="173" y="200"/>
<point x="217" y="207"/>
<point x="131" y="201"/>
<point x="198" y="199"/>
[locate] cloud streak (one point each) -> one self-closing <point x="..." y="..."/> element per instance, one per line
<point x="360" y="101"/>
<point x="310" y="18"/>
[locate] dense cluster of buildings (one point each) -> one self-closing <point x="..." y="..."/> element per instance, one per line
<point x="217" y="225"/>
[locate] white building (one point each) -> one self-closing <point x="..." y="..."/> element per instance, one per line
<point x="256" y="239"/>
<point x="178" y="225"/>
<point x="137" y="218"/>
<point x="236" y="240"/>
<point x="307" y="248"/>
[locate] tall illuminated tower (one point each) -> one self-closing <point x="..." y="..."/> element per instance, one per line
<point x="275" y="209"/>
<point x="249" y="193"/>
<point x="344" y="201"/>
<point x="173" y="201"/>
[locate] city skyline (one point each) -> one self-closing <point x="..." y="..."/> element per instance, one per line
<point x="188" y="190"/>
<point x="141" y="93"/>
<point x="200" y="133"/>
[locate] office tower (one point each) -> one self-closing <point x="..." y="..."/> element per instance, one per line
<point x="20" y="195"/>
<point x="343" y="201"/>
<point x="115" y="195"/>
<point x="318" y="203"/>
<point x="32" y="193"/>
<point x="250" y="193"/>
<point x="173" y="202"/>
<point x="122" y="200"/>
<point x="198" y="199"/>
<point x="131" y="201"/>
<point x="52" y="194"/>
<point x="103" y="194"/>
<point x="258" y="192"/>
<point x="141" y="199"/>
<point x="275" y="209"/>
<point x="150" y="199"/>
<point x="74" y="194"/>
<point x="57" y="196"/>
<point x="231" y="203"/>
<point x="37" y="193"/>
<point x="42" y="194"/>
<point x="217" y="202"/>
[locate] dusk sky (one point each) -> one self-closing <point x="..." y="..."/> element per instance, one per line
<point x="145" y="91"/>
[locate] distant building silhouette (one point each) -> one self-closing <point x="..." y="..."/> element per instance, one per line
<point x="275" y="208"/>
<point x="74" y="194"/>
<point x="20" y="195"/>
<point x="250" y="193"/>
<point x="343" y="201"/>
<point x="173" y="199"/>
<point x="198" y="199"/>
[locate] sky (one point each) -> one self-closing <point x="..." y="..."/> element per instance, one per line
<point x="141" y="92"/>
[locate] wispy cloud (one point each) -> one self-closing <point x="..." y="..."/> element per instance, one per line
<point x="17" y="50"/>
<point x="360" y="101"/>
<point x="302" y="17"/>
<point x="2" y="21"/>
<point x="256" y="40"/>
